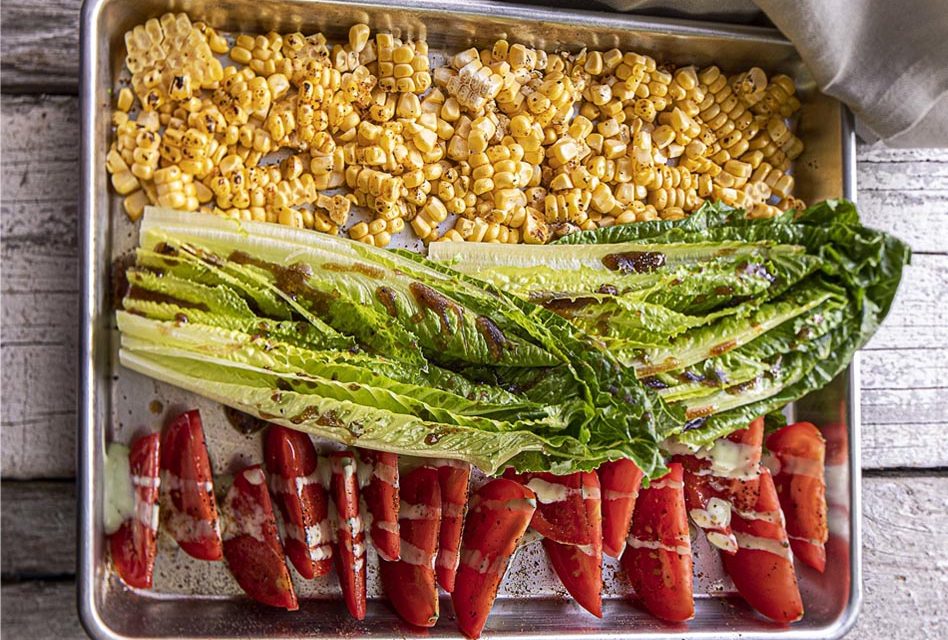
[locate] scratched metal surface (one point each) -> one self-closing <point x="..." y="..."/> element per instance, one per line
<point x="200" y="599"/>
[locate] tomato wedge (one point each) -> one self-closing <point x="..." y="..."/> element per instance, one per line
<point x="292" y="464"/>
<point x="801" y="486"/>
<point x="620" y="481"/>
<point x="657" y="557"/>
<point x="720" y="478"/>
<point x="560" y="514"/>
<point x="409" y="582"/>
<point x="380" y="492"/>
<point x="453" y="478"/>
<point x="134" y="545"/>
<point x="350" y="535"/>
<point x="762" y="567"/>
<point x="251" y="542"/>
<point x="189" y="509"/>
<point x="579" y="567"/>
<point x="498" y="516"/>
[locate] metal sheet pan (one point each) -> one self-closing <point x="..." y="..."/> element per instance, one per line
<point x="198" y="600"/>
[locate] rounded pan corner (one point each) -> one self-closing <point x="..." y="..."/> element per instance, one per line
<point x="89" y="617"/>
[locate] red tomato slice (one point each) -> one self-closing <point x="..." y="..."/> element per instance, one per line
<point x="134" y="546"/>
<point x="658" y="555"/>
<point x="409" y="582"/>
<point x="498" y="516"/>
<point x="189" y="509"/>
<point x="620" y="481"/>
<point x="251" y="542"/>
<point x="560" y="514"/>
<point x="350" y="535"/>
<point x="580" y="567"/>
<point x="801" y="486"/>
<point x="722" y="478"/>
<point x="292" y="465"/>
<point x="453" y="478"/>
<point x="762" y="568"/>
<point x="381" y="499"/>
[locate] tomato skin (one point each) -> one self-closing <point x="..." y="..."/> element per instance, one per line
<point x="621" y="481"/>
<point x="134" y="546"/>
<point x="801" y="486"/>
<point x="409" y="582"/>
<point x="381" y="498"/>
<point x="349" y="551"/>
<point x="498" y="516"/>
<point x="579" y="568"/>
<point x="563" y="519"/>
<point x="658" y="556"/>
<point x="702" y="487"/>
<point x="189" y="508"/>
<point x="292" y="464"/>
<point x="763" y="577"/>
<point x="252" y="544"/>
<point x="453" y="479"/>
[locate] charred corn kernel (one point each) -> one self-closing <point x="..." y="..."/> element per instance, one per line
<point x="358" y="37"/>
<point x="125" y="99"/>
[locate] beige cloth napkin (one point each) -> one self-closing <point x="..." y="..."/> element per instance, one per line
<point x="886" y="59"/>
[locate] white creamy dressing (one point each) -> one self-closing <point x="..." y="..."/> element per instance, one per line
<point x="174" y="483"/>
<point x="386" y="526"/>
<point x="364" y="471"/>
<point x="517" y="504"/>
<point x="610" y="495"/>
<point x="549" y="492"/>
<point x="146" y="482"/>
<point x="777" y="547"/>
<point x="667" y="484"/>
<point x="119" y="492"/>
<point x="800" y="466"/>
<point x="353" y="525"/>
<point x="813" y="541"/>
<point x="322" y="552"/>
<point x="585" y="548"/>
<point x="683" y="548"/>
<point x="407" y="511"/>
<point x="294" y="485"/>
<point x="483" y="563"/>
<point x="243" y="523"/>
<point x="447" y="559"/>
<point x="147" y="514"/>
<point x="590" y="493"/>
<point x="725" y="542"/>
<point x="324" y="472"/>
<point x="452" y="510"/>
<point x="254" y="476"/>
<point x="386" y="473"/>
<point x="727" y="459"/>
<point x="410" y="554"/>
<point x="773" y="517"/>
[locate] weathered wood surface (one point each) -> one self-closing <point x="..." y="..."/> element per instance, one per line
<point x="904" y="371"/>
<point x="40" y="49"/>
<point x="39" y="528"/>
<point x="905" y="560"/>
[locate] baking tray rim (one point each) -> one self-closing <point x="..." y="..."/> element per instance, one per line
<point x="89" y="614"/>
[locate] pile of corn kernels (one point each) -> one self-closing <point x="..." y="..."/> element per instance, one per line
<point x="512" y="144"/>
